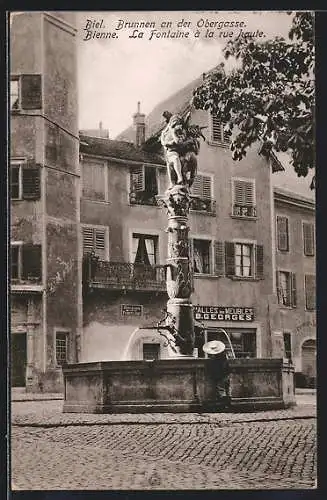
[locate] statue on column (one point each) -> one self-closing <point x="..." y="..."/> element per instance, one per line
<point x="181" y="143"/>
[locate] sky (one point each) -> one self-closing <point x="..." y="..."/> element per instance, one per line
<point x="115" y="73"/>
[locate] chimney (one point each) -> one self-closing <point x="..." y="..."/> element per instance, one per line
<point x="139" y="125"/>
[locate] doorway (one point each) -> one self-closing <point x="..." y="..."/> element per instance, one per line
<point x="18" y="359"/>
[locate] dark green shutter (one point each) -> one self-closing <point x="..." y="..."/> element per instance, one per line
<point x="219" y="258"/>
<point x="31" y="91"/>
<point x="293" y="289"/>
<point x="229" y="258"/>
<point x="259" y="262"/>
<point x="31" y="181"/>
<point x="32" y="262"/>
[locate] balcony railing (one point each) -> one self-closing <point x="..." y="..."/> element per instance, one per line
<point x="244" y="211"/>
<point x="142" y="198"/>
<point x="203" y="205"/>
<point x="124" y="276"/>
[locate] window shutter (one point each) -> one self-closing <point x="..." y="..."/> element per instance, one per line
<point x="216" y="129"/>
<point x="31" y="262"/>
<point x="293" y="289"/>
<point x="243" y="193"/>
<point x="278" y="291"/>
<point x="219" y="258"/>
<point x="202" y="186"/>
<point x="259" y="262"/>
<point x="137" y="179"/>
<point x="87" y="239"/>
<point x="310" y="292"/>
<point x="31" y="92"/>
<point x="229" y="258"/>
<point x="31" y="183"/>
<point x="282" y="233"/>
<point x="190" y="256"/>
<point x="100" y="244"/>
<point x="308" y="238"/>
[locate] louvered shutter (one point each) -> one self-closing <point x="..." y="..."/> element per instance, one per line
<point x="191" y="264"/>
<point x="137" y="179"/>
<point x="219" y="262"/>
<point x="31" y="262"/>
<point x="229" y="258"/>
<point x="278" y="291"/>
<point x="282" y="233"/>
<point x="310" y="292"/>
<point x="100" y="243"/>
<point x="259" y="262"/>
<point x="31" y="183"/>
<point x="308" y="238"/>
<point x="31" y="91"/>
<point x="88" y="239"/>
<point x="202" y="186"/>
<point x="216" y="129"/>
<point x="243" y="193"/>
<point x="293" y="290"/>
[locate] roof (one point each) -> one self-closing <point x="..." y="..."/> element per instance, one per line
<point x="177" y="103"/>
<point x="121" y="150"/>
<point x="288" y="182"/>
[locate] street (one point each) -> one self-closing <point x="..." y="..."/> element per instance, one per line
<point x="264" y="450"/>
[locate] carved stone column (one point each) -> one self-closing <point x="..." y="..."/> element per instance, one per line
<point x="179" y="276"/>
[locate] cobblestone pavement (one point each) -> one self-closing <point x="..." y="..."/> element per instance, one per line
<point x="264" y="450"/>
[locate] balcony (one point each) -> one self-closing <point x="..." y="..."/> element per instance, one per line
<point x="124" y="276"/>
<point x="205" y="205"/>
<point x="244" y="211"/>
<point x="142" y="198"/>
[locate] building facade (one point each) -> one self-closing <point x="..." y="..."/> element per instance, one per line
<point x="46" y="293"/>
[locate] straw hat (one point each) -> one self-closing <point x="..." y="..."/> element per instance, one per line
<point x="214" y="347"/>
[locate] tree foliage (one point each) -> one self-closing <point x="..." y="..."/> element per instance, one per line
<point x="269" y="95"/>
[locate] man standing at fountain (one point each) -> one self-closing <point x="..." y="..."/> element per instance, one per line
<point x="219" y="370"/>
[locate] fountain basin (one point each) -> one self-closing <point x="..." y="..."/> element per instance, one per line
<point x="175" y="385"/>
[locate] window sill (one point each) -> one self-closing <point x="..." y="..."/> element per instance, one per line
<point x="24" y="287"/>
<point x="287" y="308"/>
<point x="206" y="276"/>
<point x="283" y="251"/>
<point x="243" y="217"/>
<point x="102" y="202"/>
<point x="243" y="278"/>
<point x="219" y="144"/>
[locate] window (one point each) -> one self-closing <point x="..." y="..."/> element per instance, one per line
<point x="145" y="249"/>
<point x="218" y="132"/>
<point x="310" y="291"/>
<point x="25" y="262"/>
<point x="14" y="95"/>
<point x="151" y="352"/>
<point x="95" y="239"/>
<point x="25" y="92"/>
<point x="244" y="260"/>
<point x="202" y="256"/>
<point x="243" y="198"/>
<point x="308" y="239"/>
<point x="286" y="288"/>
<point x="201" y="192"/>
<point x="287" y="345"/>
<point x="143" y="185"/>
<point x="95" y="181"/>
<point x="282" y="234"/>
<point x="61" y="348"/>
<point x="25" y="181"/>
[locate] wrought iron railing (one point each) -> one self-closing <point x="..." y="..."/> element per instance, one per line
<point x="244" y="211"/>
<point x="203" y="205"/>
<point x="125" y="276"/>
<point x="142" y="198"/>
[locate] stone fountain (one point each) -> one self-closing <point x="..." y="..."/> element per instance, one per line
<point x="178" y="382"/>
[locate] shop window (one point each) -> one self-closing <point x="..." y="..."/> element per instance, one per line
<point x="243" y="341"/>
<point x="151" y="352"/>
<point x="25" y="92"/>
<point x="25" y="182"/>
<point x="144" y="185"/>
<point x="286" y="288"/>
<point x="310" y="292"/>
<point x="95" y="240"/>
<point x="287" y="345"/>
<point x="282" y="234"/>
<point x="243" y="198"/>
<point x="26" y="262"/>
<point x="61" y="348"/>
<point x="95" y="181"/>
<point x="308" y="239"/>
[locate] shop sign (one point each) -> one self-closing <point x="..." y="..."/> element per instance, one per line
<point x="131" y="310"/>
<point x="223" y="313"/>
